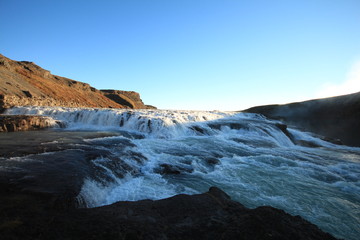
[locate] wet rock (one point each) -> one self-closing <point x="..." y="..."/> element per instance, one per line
<point x="210" y="215"/>
<point x="212" y="160"/>
<point x="14" y="123"/>
<point x="198" y="130"/>
<point x="236" y="126"/>
<point x="331" y="140"/>
<point x="283" y="128"/>
<point x="61" y="124"/>
<point x="307" y="144"/>
<point x="173" y="169"/>
<point x="169" y="169"/>
<point x="215" y="126"/>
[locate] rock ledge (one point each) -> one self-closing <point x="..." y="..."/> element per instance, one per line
<point x="14" y="123"/>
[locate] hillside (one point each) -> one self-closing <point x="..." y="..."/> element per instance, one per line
<point x="336" y="117"/>
<point x="23" y="83"/>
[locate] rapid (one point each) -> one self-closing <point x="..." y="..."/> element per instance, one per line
<point x="155" y="154"/>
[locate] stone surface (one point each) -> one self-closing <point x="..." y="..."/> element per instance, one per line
<point x="129" y="99"/>
<point x="23" y="83"/>
<point x="336" y="118"/>
<point x="14" y="123"/>
<point x="211" y="215"/>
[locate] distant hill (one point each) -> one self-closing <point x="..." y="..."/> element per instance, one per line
<point x="335" y="117"/>
<point x="23" y="83"/>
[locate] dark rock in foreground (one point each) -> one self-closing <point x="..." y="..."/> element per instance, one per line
<point x="211" y="215"/>
<point x="335" y="118"/>
<point x="39" y="199"/>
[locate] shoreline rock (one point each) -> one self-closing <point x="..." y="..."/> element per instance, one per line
<point x="15" y="123"/>
<point x="210" y="215"/>
<point x="336" y="118"/>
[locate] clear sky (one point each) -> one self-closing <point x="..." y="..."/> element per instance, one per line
<point x="192" y="54"/>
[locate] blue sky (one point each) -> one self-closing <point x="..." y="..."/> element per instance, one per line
<point x="189" y="54"/>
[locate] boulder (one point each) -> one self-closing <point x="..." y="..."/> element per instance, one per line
<point x="14" y="123"/>
<point x="210" y="215"/>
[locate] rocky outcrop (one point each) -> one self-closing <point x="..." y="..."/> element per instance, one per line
<point x="14" y="123"/>
<point x="23" y="83"/>
<point x="126" y="98"/>
<point x="335" y="118"/>
<point x="211" y="215"/>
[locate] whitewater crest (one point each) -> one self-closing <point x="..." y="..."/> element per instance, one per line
<point x="154" y="123"/>
<point x="175" y="123"/>
<point x="153" y="154"/>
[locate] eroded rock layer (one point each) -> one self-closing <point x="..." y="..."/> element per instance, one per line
<point x="23" y="83"/>
<point x="129" y="99"/>
<point x="15" y="123"/>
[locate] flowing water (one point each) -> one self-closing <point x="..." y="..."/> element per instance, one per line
<point x="155" y="154"/>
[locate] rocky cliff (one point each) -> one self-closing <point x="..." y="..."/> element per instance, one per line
<point x="23" y="83"/>
<point x="336" y="117"/>
<point x="126" y="98"/>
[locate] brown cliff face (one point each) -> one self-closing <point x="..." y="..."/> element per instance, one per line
<point x="24" y="83"/>
<point x="127" y="98"/>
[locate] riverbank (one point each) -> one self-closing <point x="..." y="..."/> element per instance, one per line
<point x="335" y="118"/>
<point x="15" y="123"/>
<point x="211" y="215"/>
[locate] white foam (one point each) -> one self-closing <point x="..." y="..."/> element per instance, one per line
<point x="250" y="158"/>
<point x="161" y="123"/>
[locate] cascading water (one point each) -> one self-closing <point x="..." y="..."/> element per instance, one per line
<point x="158" y="153"/>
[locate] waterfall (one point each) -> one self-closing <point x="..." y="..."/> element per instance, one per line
<point x="153" y="154"/>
